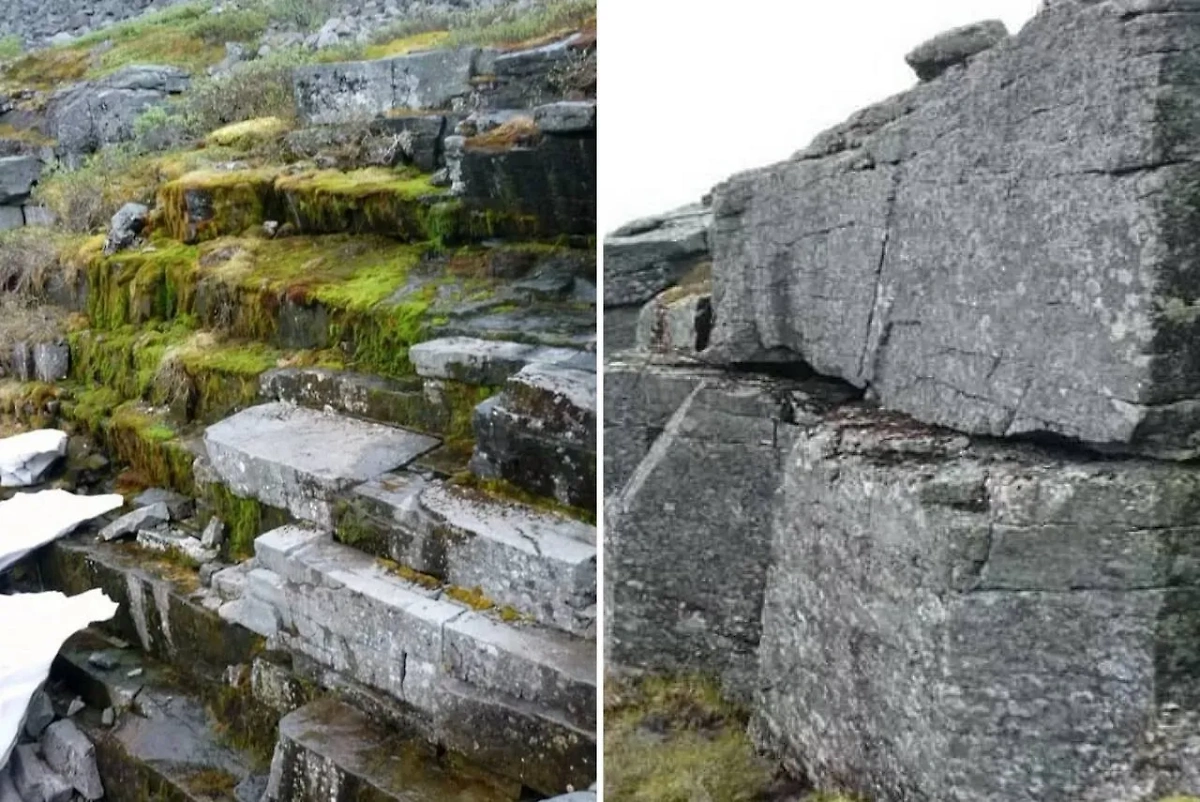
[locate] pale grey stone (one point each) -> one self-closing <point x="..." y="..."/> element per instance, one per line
<point x="470" y="359"/>
<point x="645" y="257"/>
<point x="297" y="459"/>
<point x="51" y="361"/>
<point x="214" y="534"/>
<point x="678" y="321"/>
<point x="108" y="717"/>
<point x="11" y="217"/>
<point x="18" y="174"/>
<point x="126" y="226"/>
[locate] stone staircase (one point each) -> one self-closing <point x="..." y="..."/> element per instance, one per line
<point x="384" y="391"/>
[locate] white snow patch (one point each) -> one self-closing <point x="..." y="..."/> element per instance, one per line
<point x="31" y="520"/>
<point x="24" y="459"/>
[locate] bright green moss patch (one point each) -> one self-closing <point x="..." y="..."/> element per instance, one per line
<point x="244" y="518"/>
<point x="429" y="40"/>
<point x="205" y="204"/>
<point x="677" y="740"/>
<point x="247" y="134"/>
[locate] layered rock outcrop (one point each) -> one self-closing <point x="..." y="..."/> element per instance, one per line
<point x="965" y="570"/>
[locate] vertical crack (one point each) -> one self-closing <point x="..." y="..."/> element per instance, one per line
<point x="883" y="253"/>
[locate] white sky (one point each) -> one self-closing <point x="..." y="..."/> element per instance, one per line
<point x="694" y="90"/>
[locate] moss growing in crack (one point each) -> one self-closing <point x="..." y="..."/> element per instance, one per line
<point x="205" y="204"/>
<point x="133" y="287"/>
<point x="354" y="527"/>
<point x="504" y="491"/>
<point x="244" y="518"/>
<point x="244" y="722"/>
<point x="398" y="203"/>
<point x="152" y="447"/>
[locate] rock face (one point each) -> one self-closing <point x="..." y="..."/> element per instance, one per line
<point x="87" y="116"/>
<point x="954" y="596"/>
<point x="913" y="613"/>
<point x="1067" y="310"/>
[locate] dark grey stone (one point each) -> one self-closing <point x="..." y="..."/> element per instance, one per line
<point x="179" y="506"/>
<point x="126" y="225"/>
<point x="69" y="752"/>
<point x="645" y="257"/>
<point x="39" y="716"/>
<point x="18" y="175"/>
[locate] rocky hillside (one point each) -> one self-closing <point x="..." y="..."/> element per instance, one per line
<point x="322" y="309"/>
<point x="900" y="455"/>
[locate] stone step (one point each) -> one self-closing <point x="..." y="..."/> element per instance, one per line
<point x="163" y="742"/>
<point x="538" y="563"/>
<point x="489" y="362"/>
<point x="501" y="692"/>
<point x="330" y="751"/>
<point x="163" y="608"/>
<point x="297" y="459"/>
<point x="540" y="434"/>
<point x="323" y="591"/>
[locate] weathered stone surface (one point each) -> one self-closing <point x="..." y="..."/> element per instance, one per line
<point x="371" y="397"/>
<point x="418" y="136"/>
<point x="87" y="116"/>
<point x="297" y="459"/>
<point x="953" y="47"/>
<point x="955" y="620"/>
<point x="69" y="752"/>
<point x="25" y="458"/>
<point x="566" y="117"/>
<point x="39" y="715"/>
<point x="125" y="227"/>
<point x="540" y="434"/>
<point x="51" y="361"/>
<point x="541" y="564"/>
<point x="645" y="257"/>
<point x="11" y="217"/>
<point x="522" y="79"/>
<point x="688" y="537"/>
<point x="34" y="780"/>
<point x="552" y="180"/>
<point x="142" y="518"/>
<point x="169" y="540"/>
<point x="18" y="174"/>
<point x="360" y="90"/>
<point x="1065" y="311"/>
<point x="329" y="750"/>
<point x="677" y="321"/>
<point x="481" y="362"/>
<point x="341" y="608"/>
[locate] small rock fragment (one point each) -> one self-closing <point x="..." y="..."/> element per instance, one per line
<point x="76" y="707"/>
<point x="108" y="717"/>
<point x="102" y="661"/>
<point x="939" y="54"/>
<point x="137" y="672"/>
<point x="178" y="505"/>
<point x="144" y="518"/>
<point x="214" y="534"/>
<point x="125" y="227"/>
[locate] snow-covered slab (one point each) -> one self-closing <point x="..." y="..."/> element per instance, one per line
<point x="31" y="520"/>
<point x="25" y="458"/>
<point x="34" y="627"/>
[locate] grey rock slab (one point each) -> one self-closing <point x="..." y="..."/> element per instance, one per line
<point x="297" y="459"/>
<point x="561" y="399"/>
<point x="144" y="518"/>
<point x="11" y="217"/>
<point x="179" y="506"/>
<point x="932" y="58"/>
<point x="69" y="752"/>
<point x="167" y="540"/>
<point x="470" y="359"/>
<point x="214" y="534"/>
<point x="18" y="175"/>
<point x="956" y="619"/>
<point x="1064" y="313"/>
<point x="432" y="80"/>
<point x="567" y="116"/>
<point x="125" y="227"/>
<point x="645" y="257"/>
<point x="542" y="564"/>
<point x="328" y="748"/>
<point x="34" y="780"/>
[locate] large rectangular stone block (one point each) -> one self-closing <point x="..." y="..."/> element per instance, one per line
<point x="948" y="619"/>
<point x="1008" y="249"/>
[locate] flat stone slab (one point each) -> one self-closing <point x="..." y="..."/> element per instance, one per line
<point x="1068" y="309"/>
<point x="296" y="459"/>
<point x="539" y="563"/>
<point x="947" y="618"/>
<point x="483" y="362"/>
<point x="329" y="750"/>
<point x="345" y="610"/>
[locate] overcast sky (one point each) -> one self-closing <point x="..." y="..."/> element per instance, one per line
<point x="694" y="91"/>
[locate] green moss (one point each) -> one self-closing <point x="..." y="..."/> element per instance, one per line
<point x="398" y="203"/>
<point x="249" y="133"/>
<point x="502" y="490"/>
<point x="215" y="783"/>
<point x="676" y="740"/>
<point x="244" y="518"/>
<point x="355" y="528"/>
<point x="235" y="200"/>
